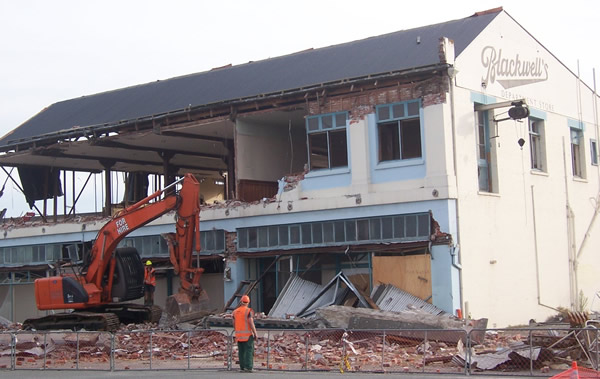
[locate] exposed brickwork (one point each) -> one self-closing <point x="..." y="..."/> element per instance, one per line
<point x="230" y="243"/>
<point x="431" y="91"/>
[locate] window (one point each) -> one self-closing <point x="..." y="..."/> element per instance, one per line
<point x="399" y="131"/>
<point x="577" y="152"/>
<point x="327" y="142"/>
<point x="407" y="227"/>
<point x="536" y="144"/>
<point x="594" y="152"/>
<point x="485" y="154"/>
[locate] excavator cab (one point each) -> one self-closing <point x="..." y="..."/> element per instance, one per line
<point x="128" y="281"/>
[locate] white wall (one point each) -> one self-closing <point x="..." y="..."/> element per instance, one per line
<point x="506" y="243"/>
<point x="264" y="152"/>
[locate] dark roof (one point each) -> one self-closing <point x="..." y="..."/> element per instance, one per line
<point x="386" y="53"/>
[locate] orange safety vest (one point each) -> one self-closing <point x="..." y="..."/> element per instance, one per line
<point x="149" y="277"/>
<point x="241" y="323"/>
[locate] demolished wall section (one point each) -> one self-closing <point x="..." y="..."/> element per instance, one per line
<point x="431" y="91"/>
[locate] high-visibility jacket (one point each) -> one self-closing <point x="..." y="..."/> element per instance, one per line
<point x="149" y="277"/>
<point x="241" y="323"/>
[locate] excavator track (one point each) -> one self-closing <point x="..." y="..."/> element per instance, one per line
<point x="74" y="321"/>
<point x="103" y="318"/>
<point x="129" y="313"/>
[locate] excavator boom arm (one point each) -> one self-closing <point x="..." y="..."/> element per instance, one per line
<point x="185" y="202"/>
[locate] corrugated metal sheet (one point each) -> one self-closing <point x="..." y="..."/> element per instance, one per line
<point x="395" y="300"/>
<point x="334" y="295"/>
<point x="294" y="296"/>
<point x="298" y="293"/>
<point x="382" y="54"/>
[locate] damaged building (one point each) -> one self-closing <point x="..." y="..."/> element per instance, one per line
<point x="457" y="162"/>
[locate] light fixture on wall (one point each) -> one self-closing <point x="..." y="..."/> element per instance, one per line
<point x="518" y="109"/>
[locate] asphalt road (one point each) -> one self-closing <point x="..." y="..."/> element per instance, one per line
<point x="231" y="374"/>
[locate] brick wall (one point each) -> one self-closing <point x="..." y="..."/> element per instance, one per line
<point x="431" y="91"/>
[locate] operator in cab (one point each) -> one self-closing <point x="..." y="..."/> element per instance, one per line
<point x="149" y="283"/>
<point x="245" y="333"/>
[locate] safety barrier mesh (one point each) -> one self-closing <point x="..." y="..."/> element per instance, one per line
<point x="537" y="352"/>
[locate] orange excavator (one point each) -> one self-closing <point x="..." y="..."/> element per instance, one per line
<point x="112" y="276"/>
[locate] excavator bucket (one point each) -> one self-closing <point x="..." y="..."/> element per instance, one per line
<point x="181" y="307"/>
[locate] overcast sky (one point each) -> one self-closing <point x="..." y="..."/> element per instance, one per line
<point x="53" y="50"/>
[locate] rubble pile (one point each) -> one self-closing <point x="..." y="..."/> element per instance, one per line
<point x="131" y="345"/>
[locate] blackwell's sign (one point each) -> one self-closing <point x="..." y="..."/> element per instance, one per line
<point x="512" y="71"/>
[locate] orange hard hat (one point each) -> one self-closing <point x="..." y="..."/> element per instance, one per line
<point x="245" y="299"/>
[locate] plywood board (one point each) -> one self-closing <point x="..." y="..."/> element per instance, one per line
<point x="410" y="273"/>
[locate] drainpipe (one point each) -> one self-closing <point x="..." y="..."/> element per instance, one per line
<point x="571" y="249"/>
<point x="596" y="200"/>
<point x="535" y="249"/>
<point x="12" y="297"/>
<point x="456" y="261"/>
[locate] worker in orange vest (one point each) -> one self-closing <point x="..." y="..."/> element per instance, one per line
<point x="149" y="283"/>
<point x="245" y="333"/>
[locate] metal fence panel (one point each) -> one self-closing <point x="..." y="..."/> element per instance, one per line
<point x="132" y="350"/>
<point x="533" y="352"/>
<point x="536" y="352"/>
<point x="325" y="349"/>
<point x="363" y="351"/>
<point x="30" y="350"/>
<point x="81" y="350"/>
<point x="281" y="350"/>
<point x="6" y="351"/>
<point x="208" y="349"/>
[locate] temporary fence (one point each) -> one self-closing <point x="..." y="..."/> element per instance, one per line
<point x="534" y="352"/>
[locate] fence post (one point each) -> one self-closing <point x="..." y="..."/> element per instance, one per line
<point x="112" y="351"/>
<point x="597" y="355"/>
<point x="268" y="347"/>
<point x="383" y="352"/>
<point x="531" y="352"/>
<point x="151" y="334"/>
<point x="230" y="348"/>
<point x="189" y="343"/>
<point x="468" y="353"/>
<point x="13" y="351"/>
<point x="45" y="349"/>
<point x="77" y="350"/>
<point x="306" y="358"/>
<point x="424" y="352"/>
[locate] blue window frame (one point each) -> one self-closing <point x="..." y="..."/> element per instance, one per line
<point x="327" y="140"/>
<point x="405" y="227"/>
<point x="399" y="131"/>
<point x="483" y="152"/>
<point x="536" y="144"/>
<point x="577" y="153"/>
